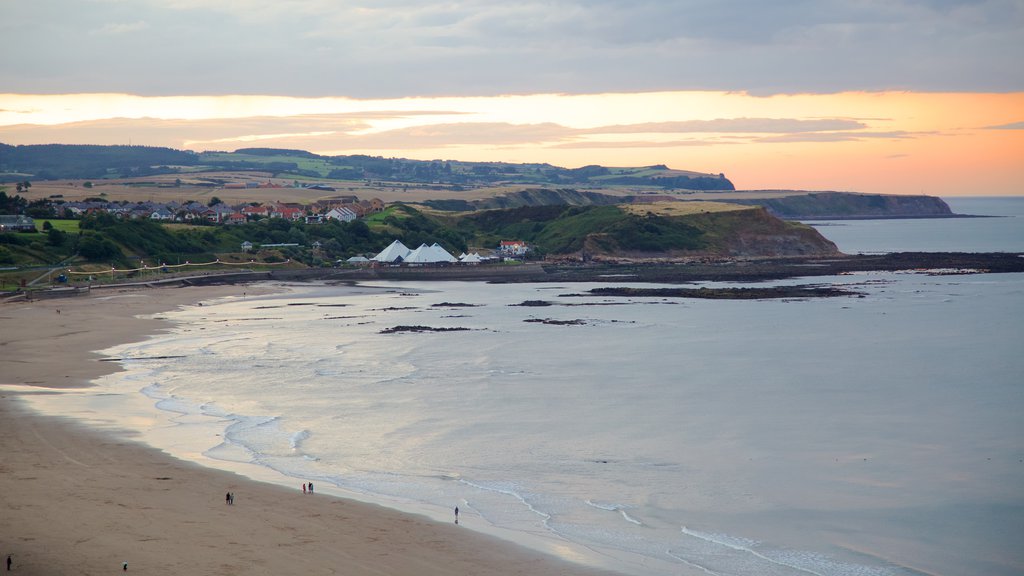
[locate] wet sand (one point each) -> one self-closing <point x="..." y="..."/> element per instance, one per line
<point x="80" y="501"/>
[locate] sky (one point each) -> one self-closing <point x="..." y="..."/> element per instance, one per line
<point x="892" y="96"/>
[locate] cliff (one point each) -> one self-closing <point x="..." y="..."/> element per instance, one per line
<point x="851" y="205"/>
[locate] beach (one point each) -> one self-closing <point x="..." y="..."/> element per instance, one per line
<point x="79" y="501"/>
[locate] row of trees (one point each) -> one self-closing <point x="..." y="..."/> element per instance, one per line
<point x="16" y="204"/>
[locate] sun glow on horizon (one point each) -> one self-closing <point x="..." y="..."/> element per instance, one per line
<point x="895" y="142"/>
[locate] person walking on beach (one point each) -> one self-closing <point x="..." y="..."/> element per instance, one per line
<point x="310" y="487"/>
<point x="9" y="561"/>
<point x="124" y="566"/>
<point x="303" y="487"/>
<point x="456" y="514"/>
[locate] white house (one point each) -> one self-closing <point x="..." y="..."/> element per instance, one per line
<point x="513" y="247"/>
<point x="343" y="214"/>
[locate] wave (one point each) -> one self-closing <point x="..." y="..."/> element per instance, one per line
<point x="621" y="509"/>
<point x="791" y="560"/>
<point x="298" y="437"/>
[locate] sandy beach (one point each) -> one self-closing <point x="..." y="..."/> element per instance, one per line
<point x="80" y="501"/>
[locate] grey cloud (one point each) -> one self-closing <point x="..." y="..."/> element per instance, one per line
<point x="745" y="125"/>
<point x="638" y="144"/>
<point x="840" y="136"/>
<point x="120" y="28"/>
<point x="469" y="133"/>
<point x="1010" y="126"/>
<point x="485" y="47"/>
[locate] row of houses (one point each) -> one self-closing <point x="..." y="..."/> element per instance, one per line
<point x="345" y="210"/>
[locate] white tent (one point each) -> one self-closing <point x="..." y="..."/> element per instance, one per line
<point x="429" y="255"/>
<point x="440" y="254"/>
<point x="395" y="252"/>
<point x="473" y="258"/>
<point x="420" y="255"/>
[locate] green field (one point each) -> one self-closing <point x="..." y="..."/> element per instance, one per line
<point x="323" y="167"/>
<point x="69" y="226"/>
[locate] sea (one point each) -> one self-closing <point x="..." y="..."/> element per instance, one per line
<point x="875" y="434"/>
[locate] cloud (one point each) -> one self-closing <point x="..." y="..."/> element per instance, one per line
<point x="120" y="28"/>
<point x="468" y="134"/>
<point x="1010" y="126"/>
<point x="743" y="125"/>
<point x="637" y="144"/>
<point x="394" y="48"/>
<point x="840" y="136"/>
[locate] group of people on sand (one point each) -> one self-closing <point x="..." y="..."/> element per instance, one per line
<point x="229" y="498"/>
<point x="307" y="488"/>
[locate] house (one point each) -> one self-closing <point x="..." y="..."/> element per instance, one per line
<point x="371" y="206"/>
<point x="513" y="248"/>
<point x="285" y="211"/>
<point x="16" y="223"/>
<point x="161" y="214"/>
<point x="255" y="211"/>
<point x="342" y="214"/>
<point x="246" y="246"/>
<point x="235" y="218"/>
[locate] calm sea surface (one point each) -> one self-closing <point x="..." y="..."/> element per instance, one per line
<point x="873" y="435"/>
<point x="1002" y="234"/>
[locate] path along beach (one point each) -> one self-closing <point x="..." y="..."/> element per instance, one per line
<point x="79" y="501"/>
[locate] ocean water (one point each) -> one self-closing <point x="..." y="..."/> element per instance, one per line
<point x="870" y="435"/>
<point x="1003" y="232"/>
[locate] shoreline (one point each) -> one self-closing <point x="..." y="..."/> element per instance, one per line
<point x="78" y="500"/>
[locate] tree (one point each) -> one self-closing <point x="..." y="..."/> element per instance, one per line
<point x="41" y="208"/>
<point x="88" y="184"/>
<point x="214" y="201"/>
<point x="47" y="226"/>
<point x="55" y="237"/>
<point x="93" y="247"/>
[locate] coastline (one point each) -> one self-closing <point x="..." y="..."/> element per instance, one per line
<point x="78" y="500"/>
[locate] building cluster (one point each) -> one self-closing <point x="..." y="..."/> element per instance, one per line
<point x="399" y="254"/>
<point x="344" y="209"/>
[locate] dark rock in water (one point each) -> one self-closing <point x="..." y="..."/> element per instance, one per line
<point x="816" y="291"/>
<point x="533" y="303"/>
<point x="553" y="322"/>
<point x="397" y="329"/>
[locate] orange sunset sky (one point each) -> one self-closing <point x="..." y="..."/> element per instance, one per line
<point x="908" y="97"/>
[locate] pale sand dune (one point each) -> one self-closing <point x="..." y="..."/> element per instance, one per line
<point x="78" y="501"/>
